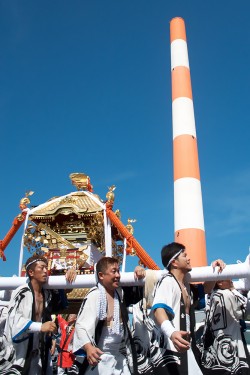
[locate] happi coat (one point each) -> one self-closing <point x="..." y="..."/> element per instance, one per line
<point x="223" y="346"/>
<point x="163" y="356"/>
<point x="89" y="328"/>
<point x="21" y="314"/>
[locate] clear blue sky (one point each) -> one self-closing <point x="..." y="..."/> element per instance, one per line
<point x="85" y="86"/>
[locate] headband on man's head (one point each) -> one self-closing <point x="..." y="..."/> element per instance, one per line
<point x="33" y="261"/>
<point x="174" y="257"/>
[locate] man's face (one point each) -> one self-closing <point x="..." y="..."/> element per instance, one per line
<point x="110" y="278"/>
<point x="40" y="272"/>
<point x="182" y="262"/>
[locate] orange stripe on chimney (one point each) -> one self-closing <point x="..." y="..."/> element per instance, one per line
<point x="186" y="162"/>
<point x="177" y="29"/>
<point x="181" y="83"/>
<point x="195" y="242"/>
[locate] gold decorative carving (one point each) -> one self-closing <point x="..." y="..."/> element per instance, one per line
<point x="110" y="194"/>
<point x="60" y="240"/>
<point x="69" y="199"/>
<point x="41" y="237"/>
<point x="25" y="201"/>
<point x="19" y="217"/>
<point x="77" y="293"/>
<point x="80" y="180"/>
<point x="129" y="226"/>
<point x="118" y="214"/>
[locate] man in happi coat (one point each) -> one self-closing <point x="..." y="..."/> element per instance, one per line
<point x="28" y="325"/>
<point x="102" y="331"/>
<point x="173" y="346"/>
<point x="224" y="349"/>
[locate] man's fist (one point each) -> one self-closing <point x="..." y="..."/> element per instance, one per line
<point x="48" y="327"/>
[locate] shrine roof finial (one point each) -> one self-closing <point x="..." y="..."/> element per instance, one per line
<point x="81" y="181"/>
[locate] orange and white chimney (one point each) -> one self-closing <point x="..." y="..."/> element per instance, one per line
<point x="188" y="209"/>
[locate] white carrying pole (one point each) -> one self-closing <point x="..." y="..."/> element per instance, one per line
<point x="232" y="271"/>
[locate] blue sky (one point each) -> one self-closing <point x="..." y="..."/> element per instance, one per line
<point x="85" y="86"/>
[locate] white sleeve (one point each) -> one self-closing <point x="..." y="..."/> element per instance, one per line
<point x="35" y="327"/>
<point x="164" y="297"/>
<point x="19" y="315"/>
<point x="86" y="322"/>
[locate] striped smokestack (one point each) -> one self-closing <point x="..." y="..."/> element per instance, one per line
<point x="188" y="209"/>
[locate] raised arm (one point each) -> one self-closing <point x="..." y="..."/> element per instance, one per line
<point x="209" y="285"/>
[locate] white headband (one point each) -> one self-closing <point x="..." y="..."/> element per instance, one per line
<point x="173" y="257"/>
<point x="34" y="261"/>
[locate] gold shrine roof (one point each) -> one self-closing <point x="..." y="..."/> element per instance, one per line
<point x="78" y="203"/>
